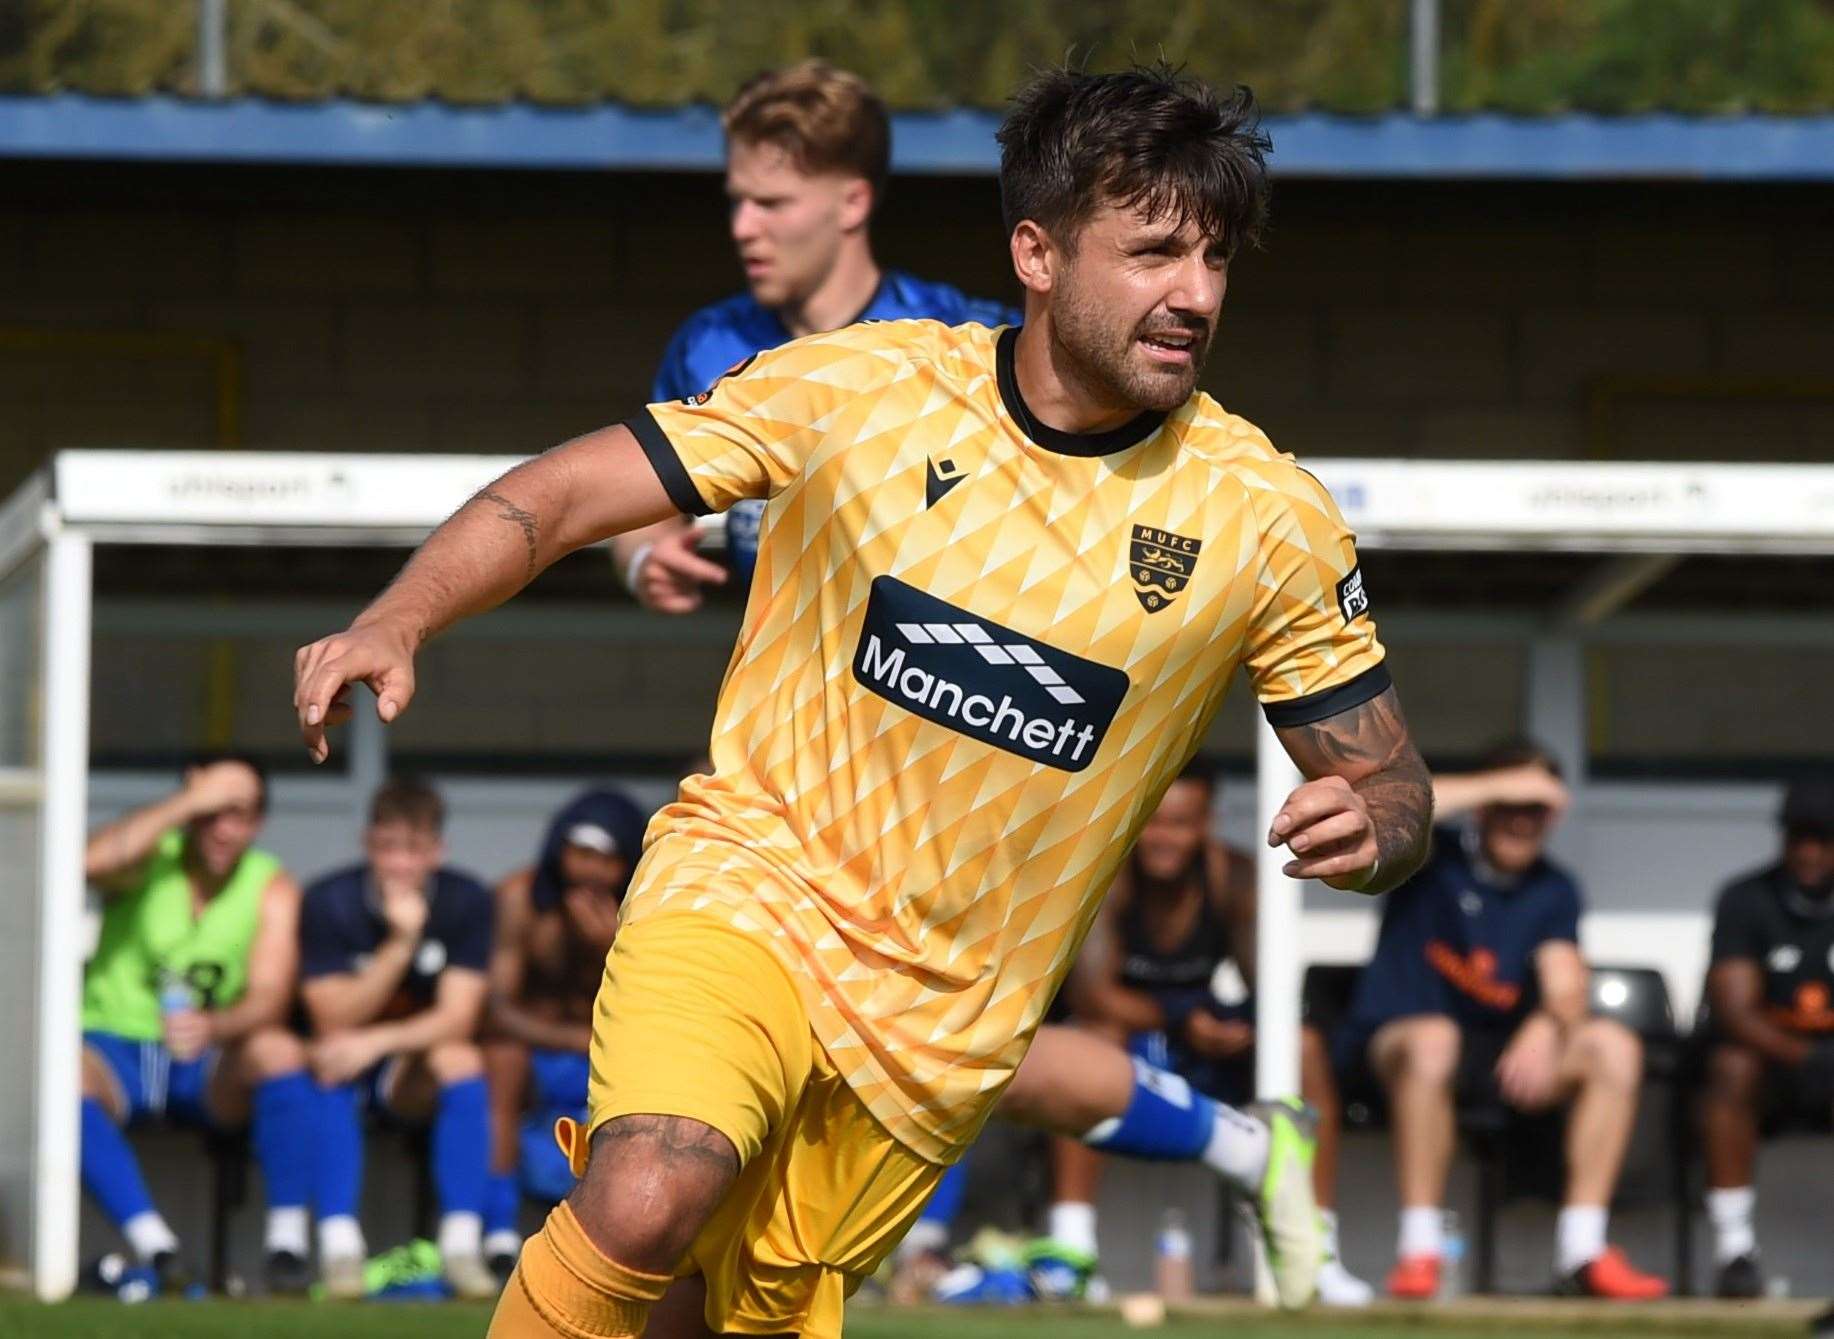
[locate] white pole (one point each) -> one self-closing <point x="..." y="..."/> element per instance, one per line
<point x="65" y="756"/>
<point x="1278" y="959"/>
<point x="1424" y="53"/>
<point x="212" y="49"/>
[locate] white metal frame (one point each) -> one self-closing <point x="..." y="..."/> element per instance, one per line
<point x="248" y="498"/>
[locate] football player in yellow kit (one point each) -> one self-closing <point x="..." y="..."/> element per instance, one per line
<point x="1003" y="581"/>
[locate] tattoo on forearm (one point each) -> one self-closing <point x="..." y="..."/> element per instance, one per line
<point x="1371" y="744"/>
<point x="519" y="516"/>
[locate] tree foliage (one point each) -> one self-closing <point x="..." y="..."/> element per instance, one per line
<point x="1343" y="55"/>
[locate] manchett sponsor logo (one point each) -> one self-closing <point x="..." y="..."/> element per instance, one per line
<point x="983" y="680"/>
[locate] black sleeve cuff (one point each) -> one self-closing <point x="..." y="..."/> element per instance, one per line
<point x="1372" y="682"/>
<point x="661" y="452"/>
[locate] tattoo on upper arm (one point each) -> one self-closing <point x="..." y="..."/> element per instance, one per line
<point x="519" y="516"/>
<point x="1369" y="746"/>
<point x="672" y="1141"/>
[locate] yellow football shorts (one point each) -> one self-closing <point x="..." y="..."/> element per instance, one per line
<point x="696" y="1018"/>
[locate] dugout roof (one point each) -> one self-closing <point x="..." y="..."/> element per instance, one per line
<point x="609" y="136"/>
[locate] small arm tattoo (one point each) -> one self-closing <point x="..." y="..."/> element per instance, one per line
<point x="519" y="516"/>
<point x="1370" y="747"/>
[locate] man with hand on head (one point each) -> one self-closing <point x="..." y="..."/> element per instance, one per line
<point x="393" y="954"/>
<point x="1478" y="992"/>
<point x="184" y="1002"/>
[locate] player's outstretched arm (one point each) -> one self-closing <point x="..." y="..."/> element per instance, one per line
<point x="1361" y="820"/>
<point x="579" y="493"/>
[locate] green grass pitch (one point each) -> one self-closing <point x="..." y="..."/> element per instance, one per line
<point x="92" y="1319"/>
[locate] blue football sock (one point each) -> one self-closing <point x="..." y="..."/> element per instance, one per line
<point x="110" y="1171"/>
<point x="946" y="1200"/>
<point x="1165" y="1120"/>
<point x="284" y="1134"/>
<point x="502" y="1202"/>
<point x="461" y="1146"/>
<point x="338" y="1162"/>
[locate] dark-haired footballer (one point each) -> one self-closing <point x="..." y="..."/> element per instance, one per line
<point x="948" y="714"/>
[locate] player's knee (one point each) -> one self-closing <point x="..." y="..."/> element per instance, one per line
<point x="1614" y="1054"/>
<point x="270" y="1053"/>
<point x="1734" y="1073"/>
<point x="99" y="1084"/>
<point x="454" y="1061"/>
<point x="1427" y="1050"/>
<point x="651" y="1182"/>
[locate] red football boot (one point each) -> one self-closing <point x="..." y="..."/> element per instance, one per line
<point x="1415" y="1278"/>
<point x="1612" y="1275"/>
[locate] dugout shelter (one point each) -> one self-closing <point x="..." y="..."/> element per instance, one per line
<point x="1632" y="521"/>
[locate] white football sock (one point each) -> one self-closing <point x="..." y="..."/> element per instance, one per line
<point x="460" y="1234"/>
<point x="504" y="1241"/>
<point x="1422" y="1231"/>
<point x="1238" y="1148"/>
<point x="1579" y="1236"/>
<point x="926" y="1236"/>
<point x="340" y="1237"/>
<point x="1327" y="1219"/>
<point x="1074" y="1225"/>
<point x="286" y="1230"/>
<point x="1730" y="1212"/>
<point x="148" y="1235"/>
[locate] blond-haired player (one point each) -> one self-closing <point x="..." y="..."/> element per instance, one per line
<point x="1004" y="580"/>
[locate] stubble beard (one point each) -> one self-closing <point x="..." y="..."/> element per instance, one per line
<point x="1108" y="362"/>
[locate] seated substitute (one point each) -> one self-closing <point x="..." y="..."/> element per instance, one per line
<point x="393" y="955"/>
<point x="555" y="923"/>
<point x="183" y="1003"/>
<point x="1477" y="992"/>
<point x="1770" y="990"/>
<point x="1183" y="908"/>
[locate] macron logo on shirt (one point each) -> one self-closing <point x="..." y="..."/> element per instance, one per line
<point x="961" y="671"/>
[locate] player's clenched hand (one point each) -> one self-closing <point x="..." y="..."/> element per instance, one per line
<point x="670" y="577"/>
<point x="187" y="1033"/>
<point x="1327" y="827"/>
<point x="378" y="654"/>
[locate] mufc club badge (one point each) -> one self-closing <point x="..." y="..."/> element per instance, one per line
<point x="1160" y="564"/>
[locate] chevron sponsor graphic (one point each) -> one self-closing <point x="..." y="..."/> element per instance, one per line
<point x="967" y="673"/>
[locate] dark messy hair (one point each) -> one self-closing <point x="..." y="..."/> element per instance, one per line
<point x="1148" y="138"/>
<point x="1519" y="751"/>
<point x="410" y="800"/>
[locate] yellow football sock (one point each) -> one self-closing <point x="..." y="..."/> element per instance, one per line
<point x="566" y="1286"/>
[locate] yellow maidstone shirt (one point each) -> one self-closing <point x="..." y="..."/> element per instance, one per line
<point x="976" y="652"/>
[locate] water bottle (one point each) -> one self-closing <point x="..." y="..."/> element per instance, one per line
<point x="1452" y="1256"/>
<point x="175" y="997"/>
<point x="175" y="994"/>
<point x="1172" y="1258"/>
